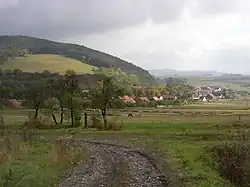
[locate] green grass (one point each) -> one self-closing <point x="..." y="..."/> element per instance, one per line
<point x="231" y="84"/>
<point x="35" y="164"/>
<point x="187" y="163"/>
<point x="52" y="63"/>
<point x="179" y="134"/>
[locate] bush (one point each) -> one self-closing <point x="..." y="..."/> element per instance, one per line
<point x="165" y="102"/>
<point x="114" y="124"/>
<point x="78" y="118"/>
<point x="38" y="123"/>
<point x="96" y="122"/>
<point x="5" y="148"/>
<point x="61" y="149"/>
<point x="2" y="126"/>
<point x="233" y="162"/>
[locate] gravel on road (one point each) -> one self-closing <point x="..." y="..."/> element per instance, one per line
<point x="114" y="165"/>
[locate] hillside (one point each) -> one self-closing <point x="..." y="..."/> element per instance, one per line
<point x="52" y="63"/>
<point x="172" y="72"/>
<point x="239" y="83"/>
<point x="21" y="45"/>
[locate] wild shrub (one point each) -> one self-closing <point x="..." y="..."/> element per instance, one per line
<point x="78" y="119"/>
<point x="7" y="178"/>
<point x="65" y="154"/>
<point x="61" y="150"/>
<point x="232" y="160"/>
<point x="39" y="123"/>
<point x="5" y="148"/>
<point x="2" y="126"/>
<point x="114" y="124"/>
<point x="96" y="122"/>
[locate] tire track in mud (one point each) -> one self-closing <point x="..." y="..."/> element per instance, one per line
<point x="113" y="165"/>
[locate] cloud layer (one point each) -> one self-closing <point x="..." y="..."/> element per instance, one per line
<point x="181" y="34"/>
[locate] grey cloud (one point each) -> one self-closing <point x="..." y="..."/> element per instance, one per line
<point x="230" y="59"/>
<point x="218" y="7"/>
<point x="168" y="59"/>
<point x="63" y="18"/>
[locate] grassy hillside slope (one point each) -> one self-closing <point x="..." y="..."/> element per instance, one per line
<point x="52" y="63"/>
<point x="239" y="84"/>
<point x="78" y="52"/>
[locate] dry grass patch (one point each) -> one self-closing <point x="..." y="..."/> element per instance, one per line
<point x="36" y="163"/>
<point x="113" y="123"/>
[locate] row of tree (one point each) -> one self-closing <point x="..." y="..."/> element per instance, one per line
<point x="63" y="95"/>
<point x="63" y="92"/>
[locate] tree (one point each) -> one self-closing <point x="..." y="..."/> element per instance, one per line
<point x="72" y="88"/>
<point x="140" y="92"/>
<point x="4" y="92"/>
<point x="103" y="95"/>
<point x="17" y="71"/>
<point x="86" y="103"/>
<point x="36" y="94"/>
<point x="58" y="90"/>
<point x="52" y="104"/>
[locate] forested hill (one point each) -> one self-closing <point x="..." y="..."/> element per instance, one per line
<point x="19" y="45"/>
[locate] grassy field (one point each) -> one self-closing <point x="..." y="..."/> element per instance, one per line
<point x="52" y="63"/>
<point x="230" y="84"/>
<point x="178" y="136"/>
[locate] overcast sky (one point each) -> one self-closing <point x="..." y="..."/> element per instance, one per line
<point x="178" y="34"/>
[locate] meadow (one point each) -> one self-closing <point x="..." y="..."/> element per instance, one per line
<point x="178" y="137"/>
<point x="229" y="83"/>
<point x="52" y="63"/>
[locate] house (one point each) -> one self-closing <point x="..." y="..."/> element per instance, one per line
<point x="210" y="96"/>
<point x="169" y="97"/>
<point x="196" y="96"/>
<point x="154" y="99"/>
<point x="128" y="99"/>
<point x="207" y="97"/>
<point x="157" y="98"/>
<point x="16" y="103"/>
<point x="161" y="98"/>
<point x="204" y="99"/>
<point x="143" y="99"/>
<point x="85" y="91"/>
<point x="206" y="88"/>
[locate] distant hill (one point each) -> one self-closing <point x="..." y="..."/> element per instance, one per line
<point x="18" y="46"/>
<point x="52" y="63"/>
<point x="171" y="72"/>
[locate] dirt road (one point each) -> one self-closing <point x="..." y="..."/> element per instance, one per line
<point x="112" y="165"/>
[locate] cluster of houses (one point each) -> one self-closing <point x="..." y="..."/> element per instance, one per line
<point x="208" y="93"/>
<point x="133" y="99"/>
<point x="205" y="94"/>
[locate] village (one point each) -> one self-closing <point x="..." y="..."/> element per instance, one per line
<point x="198" y="94"/>
<point x="203" y="94"/>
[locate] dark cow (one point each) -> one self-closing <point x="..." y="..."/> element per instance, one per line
<point x="130" y="115"/>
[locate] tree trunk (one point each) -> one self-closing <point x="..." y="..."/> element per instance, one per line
<point x="72" y="116"/>
<point x="85" y="120"/>
<point x="70" y="102"/>
<point x="54" y="118"/>
<point x="104" y="117"/>
<point x="36" y="112"/>
<point x="62" y="114"/>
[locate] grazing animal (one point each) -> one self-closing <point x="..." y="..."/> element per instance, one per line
<point x="130" y="115"/>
